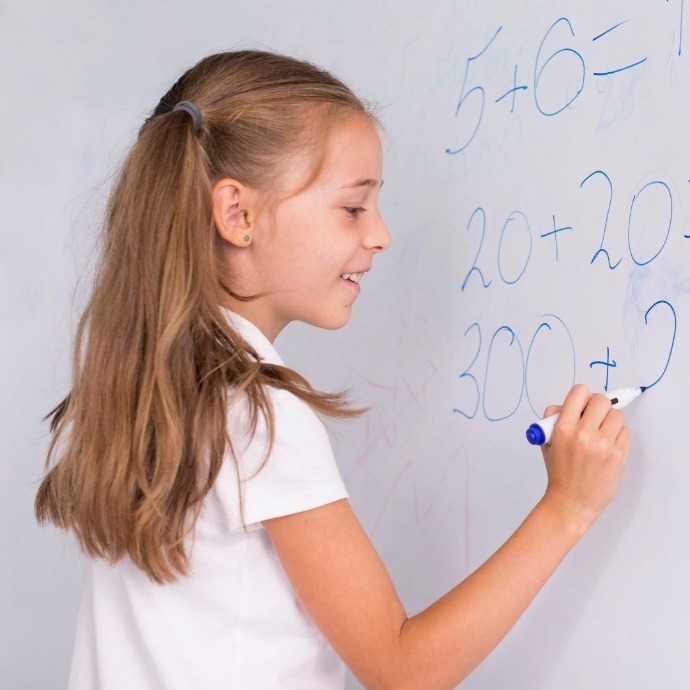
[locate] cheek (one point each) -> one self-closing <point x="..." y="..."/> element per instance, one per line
<point x="310" y="246"/>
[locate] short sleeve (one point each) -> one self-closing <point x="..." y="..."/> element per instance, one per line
<point x="299" y="474"/>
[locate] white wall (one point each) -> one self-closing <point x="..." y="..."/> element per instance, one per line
<point x="438" y="492"/>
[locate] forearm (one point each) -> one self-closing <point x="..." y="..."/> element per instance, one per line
<point x="345" y="589"/>
<point x="441" y="645"/>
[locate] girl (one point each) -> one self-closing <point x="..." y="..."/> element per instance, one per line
<point x="192" y="466"/>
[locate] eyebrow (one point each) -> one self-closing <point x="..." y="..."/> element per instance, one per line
<point x="363" y="183"/>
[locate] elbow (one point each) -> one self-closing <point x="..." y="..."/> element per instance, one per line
<point x="407" y="678"/>
<point x="405" y="666"/>
<point x="391" y="670"/>
<point x="405" y="681"/>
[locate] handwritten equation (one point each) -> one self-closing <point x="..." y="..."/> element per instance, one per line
<point x="502" y="246"/>
<point x="557" y="76"/>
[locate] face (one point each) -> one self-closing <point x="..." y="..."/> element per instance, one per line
<point x="311" y="255"/>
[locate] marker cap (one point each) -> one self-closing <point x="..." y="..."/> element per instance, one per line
<point x="535" y="435"/>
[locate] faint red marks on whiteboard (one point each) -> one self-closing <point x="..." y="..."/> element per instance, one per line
<point x="382" y="426"/>
<point x="422" y="505"/>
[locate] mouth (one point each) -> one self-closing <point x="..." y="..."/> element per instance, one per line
<point x="353" y="277"/>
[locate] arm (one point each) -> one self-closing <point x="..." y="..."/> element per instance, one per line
<point x="344" y="587"/>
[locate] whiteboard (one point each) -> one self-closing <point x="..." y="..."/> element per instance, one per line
<point x="538" y="193"/>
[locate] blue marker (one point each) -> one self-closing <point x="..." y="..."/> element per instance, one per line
<point x="539" y="434"/>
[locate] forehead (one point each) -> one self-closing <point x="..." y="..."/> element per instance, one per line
<point x="354" y="155"/>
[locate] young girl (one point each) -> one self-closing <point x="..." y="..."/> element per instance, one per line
<point x="190" y="462"/>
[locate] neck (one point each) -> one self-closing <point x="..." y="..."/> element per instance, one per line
<point x="257" y="313"/>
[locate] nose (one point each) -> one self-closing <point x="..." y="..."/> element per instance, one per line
<point x="377" y="238"/>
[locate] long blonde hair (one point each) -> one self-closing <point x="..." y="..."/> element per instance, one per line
<point x="142" y="434"/>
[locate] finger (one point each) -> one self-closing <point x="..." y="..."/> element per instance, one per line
<point x="623" y="440"/>
<point x="612" y="424"/>
<point x="552" y="410"/>
<point x="597" y="408"/>
<point x="574" y="405"/>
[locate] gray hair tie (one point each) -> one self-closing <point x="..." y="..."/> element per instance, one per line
<point x="192" y="110"/>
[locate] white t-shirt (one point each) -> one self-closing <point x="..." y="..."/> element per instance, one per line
<point x="234" y="622"/>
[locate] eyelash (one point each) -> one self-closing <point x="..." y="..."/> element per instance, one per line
<point x="354" y="211"/>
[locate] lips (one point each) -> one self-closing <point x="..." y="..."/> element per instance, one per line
<point x="353" y="277"/>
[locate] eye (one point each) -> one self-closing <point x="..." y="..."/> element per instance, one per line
<point x="354" y="211"/>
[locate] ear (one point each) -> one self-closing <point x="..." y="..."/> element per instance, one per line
<point x="231" y="212"/>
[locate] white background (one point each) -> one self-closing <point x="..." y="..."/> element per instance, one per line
<point x="437" y="492"/>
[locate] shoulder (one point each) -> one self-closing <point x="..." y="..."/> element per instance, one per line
<point x="294" y="420"/>
<point x="299" y="473"/>
<point x="300" y="442"/>
<point x="294" y="417"/>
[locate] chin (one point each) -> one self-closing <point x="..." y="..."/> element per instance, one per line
<point x="332" y="321"/>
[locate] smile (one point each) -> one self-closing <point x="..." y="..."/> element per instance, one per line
<point x="354" y="277"/>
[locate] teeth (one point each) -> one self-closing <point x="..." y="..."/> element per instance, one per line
<point x="354" y="277"/>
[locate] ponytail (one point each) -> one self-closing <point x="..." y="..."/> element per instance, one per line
<point x="140" y="439"/>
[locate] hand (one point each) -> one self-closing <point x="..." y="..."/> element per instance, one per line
<point x="586" y="456"/>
